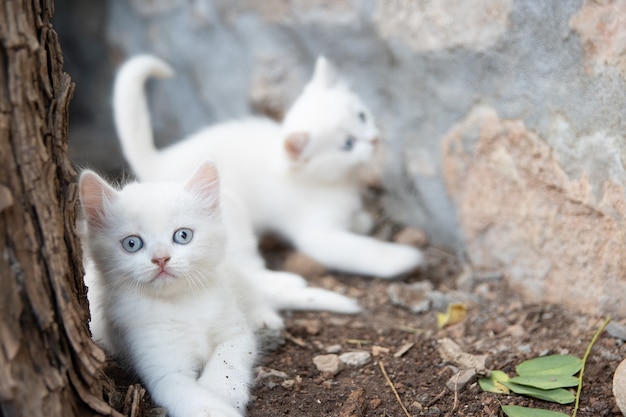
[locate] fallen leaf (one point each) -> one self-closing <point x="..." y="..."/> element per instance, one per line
<point x="550" y="365"/>
<point x="493" y="383"/>
<point x="557" y="395"/>
<point x="456" y="313"/>
<point x="518" y="411"/>
<point x="546" y="381"/>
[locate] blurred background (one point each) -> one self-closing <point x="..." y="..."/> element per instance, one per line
<point x="503" y="119"/>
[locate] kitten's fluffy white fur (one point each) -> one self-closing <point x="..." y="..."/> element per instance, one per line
<point x="162" y="297"/>
<point x="299" y="178"/>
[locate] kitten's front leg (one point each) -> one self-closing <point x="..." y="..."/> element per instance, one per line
<point x="183" y="396"/>
<point x="363" y="255"/>
<point x="228" y="373"/>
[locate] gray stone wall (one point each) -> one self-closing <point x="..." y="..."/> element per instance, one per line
<point x="504" y="119"/>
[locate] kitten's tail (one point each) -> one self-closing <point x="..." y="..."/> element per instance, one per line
<point x="131" y="113"/>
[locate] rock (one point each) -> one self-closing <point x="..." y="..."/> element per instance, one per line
<point x="616" y="330"/>
<point x="461" y="379"/>
<point x="412" y="236"/>
<point x="379" y="350"/>
<point x="619" y="386"/>
<point x="329" y="364"/>
<point x="333" y="349"/>
<point x="270" y="377"/>
<point x="412" y="296"/>
<point x="452" y="353"/>
<point x="358" y="358"/>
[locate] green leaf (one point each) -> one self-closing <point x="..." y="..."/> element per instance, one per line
<point x="546" y="381"/>
<point x="492" y="384"/>
<point x="550" y="365"/>
<point x="558" y="395"/>
<point x="517" y="411"/>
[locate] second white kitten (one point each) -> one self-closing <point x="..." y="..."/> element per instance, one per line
<point x="299" y="179"/>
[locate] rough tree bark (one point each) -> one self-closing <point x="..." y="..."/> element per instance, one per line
<point x="48" y="363"/>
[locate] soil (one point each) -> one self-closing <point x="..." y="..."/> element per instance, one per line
<point x="498" y="324"/>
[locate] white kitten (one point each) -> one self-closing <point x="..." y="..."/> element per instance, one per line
<point x="299" y="179"/>
<point x="162" y="297"/>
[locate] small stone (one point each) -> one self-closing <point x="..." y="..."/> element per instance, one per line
<point x="357" y="358"/>
<point x="616" y="330"/>
<point x="461" y="379"/>
<point x="375" y="403"/>
<point x="417" y="406"/>
<point x="412" y="236"/>
<point x="329" y="364"/>
<point x="333" y="349"/>
<point x="288" y="384"/>
<point x="379" y="350"/>
<point x="269" y="377"/>
<point x="619" y="386"/>
<point x="433" y="411"/>
<point x="412" y="296"/>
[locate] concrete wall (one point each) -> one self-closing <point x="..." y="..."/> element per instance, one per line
<point x="504" y="119"/>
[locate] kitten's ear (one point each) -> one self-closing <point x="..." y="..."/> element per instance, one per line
<point x="205" y="183"/>
<point x="94" y="192"/>
<point x="325" y="74"/>
<point x="295" y="143"/>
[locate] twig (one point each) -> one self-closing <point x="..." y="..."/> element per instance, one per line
<point x="382" y="368"/>
<point x="437" y="398"/>
<point x="358" y="408"/>
<point x="582" y="368"/>
<point x="456" y="391"/>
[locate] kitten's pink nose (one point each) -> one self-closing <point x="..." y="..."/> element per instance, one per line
<point x="160" y="261"/>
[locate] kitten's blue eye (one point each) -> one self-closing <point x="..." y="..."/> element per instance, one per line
<point x="183" y="236"/>
<point x="132" y="244"/>
<point x="348" y="144"/>
<point x="362" y="116"/>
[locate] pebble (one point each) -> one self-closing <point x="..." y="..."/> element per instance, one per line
<point x="619" y="386"/>
<point x="412" y="236"/>
<point x="412" y="296"/>
<point x="269" y="377"/>
<point x="333" y="349"/>
<point x="616" y="330"/>
<point x="459" y="381"/>
<point x="358" y="358"/>
<point x="329" y="364"/>
<point x="379" y="350"/>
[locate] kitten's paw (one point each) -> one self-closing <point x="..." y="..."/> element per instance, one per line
<point x="400" y="259"/>
<point x="266" y="318"/>
<point x="222" y="412"/>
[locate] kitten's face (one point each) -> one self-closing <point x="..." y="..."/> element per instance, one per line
<point x="330" y="133"/>
<point x="158" y="238"/>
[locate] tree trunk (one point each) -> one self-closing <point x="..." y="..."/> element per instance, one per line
<point x="48" y="363"/>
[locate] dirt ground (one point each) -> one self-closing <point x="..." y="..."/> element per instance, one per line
<point x="405" y="344"/>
